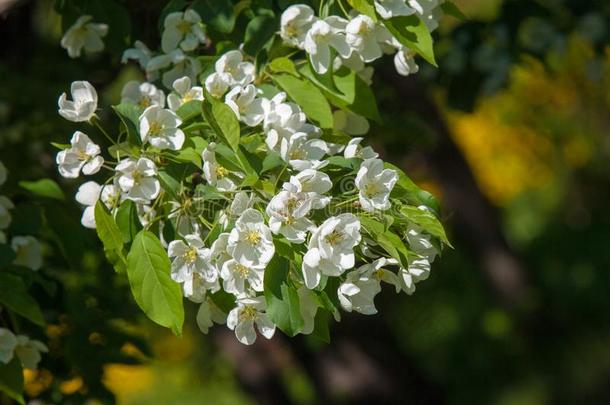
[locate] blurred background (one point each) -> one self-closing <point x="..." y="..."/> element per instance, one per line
<point x="511" y="133"/>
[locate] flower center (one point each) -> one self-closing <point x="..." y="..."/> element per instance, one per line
<point x="291" y="30"/>
<point x="371" y="189"/>
<point x="297" y="154"/>
<point x="188" y="97"/>
<point x="241" y="269"/>
<point x="334" y="238"/>
<point x="137" y="176"/>
<point x="248" y="313"/>
<point x="144" y="102"/>
<point x="221" y="171"/>
<point x="190" y="256"/>
<point x="378" y="274"/>
<point x="184" y="27"/>
<point x="253" y="237"/>
<point x="155" y="128"/>
<point x="82" y="155"/>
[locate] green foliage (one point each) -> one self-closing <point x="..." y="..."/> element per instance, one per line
<point x="44" y="188"/>
<point x="222" y="120"/>
<point x="413" y="33"/>
<point x="11" y="380"/>
<point x="309" y="97"/>
<point x="148" y="270"/>
<point x="14" y="297"/>
<point x="283" y="307"/>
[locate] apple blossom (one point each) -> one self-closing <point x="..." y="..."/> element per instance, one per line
<point x="28" y="350"/>
<point x="215" y="174"/>
<point x="245" y="105"/>
<point x="159" y="127"/>
<point x="393" y="8"/>
<point x="182" y="29"/>
<point x="250" y="242"/>
<point x="303" y="153"/>
<point x="235" y="275"/>
<point x="296" y="20"/>
<point x="142" y="94"/>
<point x="137" y="179"/>
<point x="184" y="93"/>
<point x="190" y="256"/>
<point x="364" y="36"/>
<point x="331" y="248"/>
<point x="208" y="314"/>
<point x="217" y="84"/>
<point x="248" y="313"/>
<point x="242" y="73"/>
<point x="8" y="342"/>
<point x="355" y="150"/>
<point x="287" y="214"/>
<point x="28" y="252"/>
<point x="140" y="53"/>
<point x="84" y="34"/>
<point x="83" y="155"/>
<point x="375" y="184"/>
<point x="323" y="35"/>
<point x="83" y="104"/>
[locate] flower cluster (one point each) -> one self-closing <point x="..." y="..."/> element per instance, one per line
<point x="358" y="39"/>
<point x="248" y="195"/>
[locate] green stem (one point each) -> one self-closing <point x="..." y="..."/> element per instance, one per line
<point x="96" y="122"/>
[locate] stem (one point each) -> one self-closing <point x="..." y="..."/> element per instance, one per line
<point x="96" y="122"/>
<point x="342" y="6"/>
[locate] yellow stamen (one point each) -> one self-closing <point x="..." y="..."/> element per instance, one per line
<point x="334" y="238"/>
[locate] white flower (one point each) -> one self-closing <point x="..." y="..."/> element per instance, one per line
<point x="215" y="174"/>
<point x="245" y="105"/>
<point x="159" y="127"/>
<point x="188" y="258"/>
<point x="83" y="105"/>
<point x="28" y="252"/>
<point x="5" y="214"/>
<point x="137" y="179"/>
<point x="355" y="63"/>
<point x="282" y="120"/>
<point x="250" y="242"/>
<point x="183" y="93"/>
<point x="182" y="29"/>
<point x="241" y="202"/>
<point x="418" y="270"/>
<point x="303" y="153"/>
<point x="296" y="20"/>
<point x="364" y="36"/>
<point x="331" y="249"/>
<point x="308" y="307"/>
<point x="404" y="62"/>
<point x="375" y="184"/>
<point x="142" y="94"/>
<point x="314" y="183"/>
<point x="358" y="291"/>
<point x="140" y="53"/>
<point x="219" y="253"/>
<point x="89" y="193"/>
<point x="217" y="84"/>
<point x="287" y="214"/>
<point x="323" y="35"/>
<point x="3" y="173"/>
<point x="355" y="150"/>
<point x="420" y="243"/>
<point x="82" y="155"/>
<point x="28" y="350"/>
<point x="350" y="123"/>
<point x="242" y="73"/>
<point x="250" y="312"/>
<point x="393" y="8"/>
<point x="182" y="65"/>
<point x="209" y="314"/>
<point x="235" y="275"/>
<point x="84" y="34"/>
<point x="8" y="342"/>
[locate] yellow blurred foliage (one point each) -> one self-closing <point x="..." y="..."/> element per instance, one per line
<point x="124" y="379"/>
<point x="549" y="120"/>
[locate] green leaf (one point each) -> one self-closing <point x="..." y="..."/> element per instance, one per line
<point x="348" y="92"/>
<point x="412" y="32"/>
<point x="14" y="296"/>
<point x="189" y="155"/>
<point x="283" y="305"/>
<point x="130" y="117"/>
<point x="7" y="255"/>
<point x="366" y="7"/>
<point x="148" y="270"/>
<point x="216" y="14"/>
<point x="61" y="146"/>
<point x="283" y="65"/>
<point x="451" y="9"/>
<point x="127" y="220"/>
<point x="258" y="32"/>
<point x="44" y="188"/>
<point x="320" y="329"/>
<point x="169" y="184"/>
<point x="222" y="120"/>
<point x="111" y="237"/>
<point x="309" y="97"/>
<point x="189" y="110"/>
<point x="11" y="379"/>
<point x="427" y="221"/>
